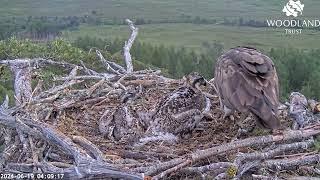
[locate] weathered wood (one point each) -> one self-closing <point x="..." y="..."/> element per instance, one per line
<point x="255" y="141"/>
<point x="85" y="166"/>
<point x="243" y="159"/>
<point x="87" y="145"/>
<point x="110" y="66"/>
<point x="22" y="81"/>
<point x="128" y="45"/>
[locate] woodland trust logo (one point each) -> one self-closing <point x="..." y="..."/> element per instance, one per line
<point x="292" y="10"/>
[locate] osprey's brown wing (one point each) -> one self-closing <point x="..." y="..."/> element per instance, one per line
<point x="247" y="81"/>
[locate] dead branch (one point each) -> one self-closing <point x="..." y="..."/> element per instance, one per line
<point x="87" y="77"/>
<point x="255" y="141"/>
<point x="56" y="89"/>
<point x="217" y="168"/>
<point x="158" y="167"/>
<point x="22" y="71"/>
<point x="22" y="81"/>
<point x="110" y="65"/>
<point x="44" y="132"/>
<point x="243" y="159"/>
<point x="85" y="165"/>
<point x="95" y="87"/>
<point x="145" y="155"/>
<point x="128" y="45"/>
<point x="87" y="145"/>
<point x="289" y="163"/>
<point x="39" y="62"/>
<point x="88" y="71"/>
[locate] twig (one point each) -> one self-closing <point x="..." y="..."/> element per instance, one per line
<point x="87" y="77"/>
<point x="211" y="167"/>
<point x="59" y="88"/>
<point x="87" y="145"/>
<point x="158" y="167"/>
<point x="107" y="64"/>
<point x="49" y="99"/>
<point x="88" y="71"/>
<point x="145" y="155"/>
<point x="94" y="87"/>
<point x="35" y="157"/>
<point x="37" y="89"/>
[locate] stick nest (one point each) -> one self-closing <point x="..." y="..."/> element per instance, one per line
<point x="58" y="131"/>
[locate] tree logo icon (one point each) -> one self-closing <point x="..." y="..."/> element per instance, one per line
<point x="293" y="8"/>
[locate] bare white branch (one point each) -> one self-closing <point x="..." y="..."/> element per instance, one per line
<point x="22" y="80"/>
<point x="128" y="45"/>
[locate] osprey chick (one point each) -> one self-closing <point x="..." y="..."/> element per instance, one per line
<point x="179" y="112"/>
<point x="299" y="112"/>
<point x="121" y="125"/>
<point x="175" y="112"/>
<point x="247" y="81"/>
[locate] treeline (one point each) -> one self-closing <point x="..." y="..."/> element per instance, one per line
<point x="244" y="22"/>
<point x="46" y="28"/>
<point x="298" y="70"/>
<point x="43" y="27"/>
<point x="176" y="61"/>
<point x="181" y="19"/>
<point x="199" y="20"/>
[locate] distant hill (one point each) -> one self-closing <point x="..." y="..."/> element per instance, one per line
<point x="153" y="9"/>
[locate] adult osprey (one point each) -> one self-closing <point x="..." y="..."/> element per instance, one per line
<point x="247" y="81"/>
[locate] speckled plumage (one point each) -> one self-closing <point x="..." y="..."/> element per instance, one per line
<point x="181" y="102"/>
<point x="177" y="114"/>
<point x="180" y="111"/>
<point x="299" y="112"/>
<point x="121" y="125"/>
